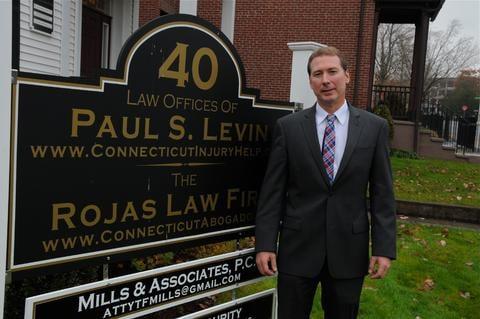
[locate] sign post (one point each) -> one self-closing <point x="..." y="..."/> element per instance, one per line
<point x="5" y="115"/>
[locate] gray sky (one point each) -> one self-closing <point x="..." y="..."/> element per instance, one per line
<point x="467" y="12"/>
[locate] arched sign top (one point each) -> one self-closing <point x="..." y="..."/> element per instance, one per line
<point x="192" y="62"/>
<point x="200" y="55"/>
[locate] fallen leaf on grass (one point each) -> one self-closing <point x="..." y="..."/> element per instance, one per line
<point x="443" y="243"/>
<point x="465" y="295"/>
<point x="445" y="232"/>
<point x="418" y="317"/>
<point x="403" y="217"/>
<point x="428" y="284"/>
<point x="402" y="226"/>
<point x="459" y="197"/>
<point x="469" y="264"/>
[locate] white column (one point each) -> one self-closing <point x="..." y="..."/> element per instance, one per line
<point x="188" y="7"/>
<point x="299" y="85"/>
<point x="136" y="15"/>
<point x="5" y="89"/>
<point x="78" y="39"/>
<point x="228" y="18"/>
<point x="65" y="57"/>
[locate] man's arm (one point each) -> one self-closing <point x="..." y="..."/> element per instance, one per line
<point x="382" y="208"/>
<point x="271" y="204"/>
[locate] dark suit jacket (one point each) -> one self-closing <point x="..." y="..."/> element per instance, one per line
<point x="318" y="221"/>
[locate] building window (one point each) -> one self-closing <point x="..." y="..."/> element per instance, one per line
<point x="96" y="28"/>
<point x="42" y="15"/>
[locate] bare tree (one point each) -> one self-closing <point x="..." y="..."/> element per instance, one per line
<point x="391" y="39"/>
<point x="447" y="54"/>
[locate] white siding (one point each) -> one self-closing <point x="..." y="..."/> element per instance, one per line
<point x="73" y="23"/>
<point x="68" y="37"/>
<point x="40" y="52"/>
<point x="59" y="53"/>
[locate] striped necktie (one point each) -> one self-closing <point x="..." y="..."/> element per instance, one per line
<point x="328" y="149"/>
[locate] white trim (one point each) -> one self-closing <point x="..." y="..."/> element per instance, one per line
<point x="236" y="302"/>
<point x="65" y="57"/>
<point x="188" y="7"/>
<point x="136" y="13"/>
<point x="5" y="113"/>
<point x="228" y="18"/>
<point x="78" y="39"/>
<point x="304" y="46"/>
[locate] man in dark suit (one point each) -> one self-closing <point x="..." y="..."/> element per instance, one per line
<point x="323" y="161"/>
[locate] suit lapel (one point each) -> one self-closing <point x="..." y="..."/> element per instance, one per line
<point x="354" y="130"/>
<point x="310" y="131"/>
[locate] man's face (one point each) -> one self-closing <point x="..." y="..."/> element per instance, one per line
<point x="328" y="81"/>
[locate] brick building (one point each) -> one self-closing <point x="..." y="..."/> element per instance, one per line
<point x="273" y="38"/>
<point x="262" y="30"/>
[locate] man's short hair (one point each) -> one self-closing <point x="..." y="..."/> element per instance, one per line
<point x="330" y="51"/>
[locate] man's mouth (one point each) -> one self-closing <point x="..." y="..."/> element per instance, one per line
<point x="327" y="90"/>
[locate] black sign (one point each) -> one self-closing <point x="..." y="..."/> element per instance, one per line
<point x="257" y="306"/>
<point x="147" y="291"/>
<point x="171" y="147"/>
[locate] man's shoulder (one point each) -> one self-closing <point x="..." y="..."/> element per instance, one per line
<point x="296" y="116"/>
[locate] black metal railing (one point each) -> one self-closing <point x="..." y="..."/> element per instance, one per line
<point x="396" y="98"/>
<point x="457" y="130"/>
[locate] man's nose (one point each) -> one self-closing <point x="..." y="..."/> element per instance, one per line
<point x="325" y="79"/>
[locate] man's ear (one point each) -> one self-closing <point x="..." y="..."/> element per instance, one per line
<point x="347" y="75"/>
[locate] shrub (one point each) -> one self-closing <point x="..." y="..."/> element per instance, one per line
<point x="382" y="110"/>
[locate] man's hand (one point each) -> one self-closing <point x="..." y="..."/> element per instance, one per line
<point x="378" y="267"/>
<point x="267" y="263"/>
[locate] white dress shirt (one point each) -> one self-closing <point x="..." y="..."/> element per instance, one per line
<point x="342" y="116"/>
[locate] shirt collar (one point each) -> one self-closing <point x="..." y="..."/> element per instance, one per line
<point x="341" y="114"/>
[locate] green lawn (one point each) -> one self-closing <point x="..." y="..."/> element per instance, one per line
<point x="436" y="276"/>
<point x="437" y="181"/>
